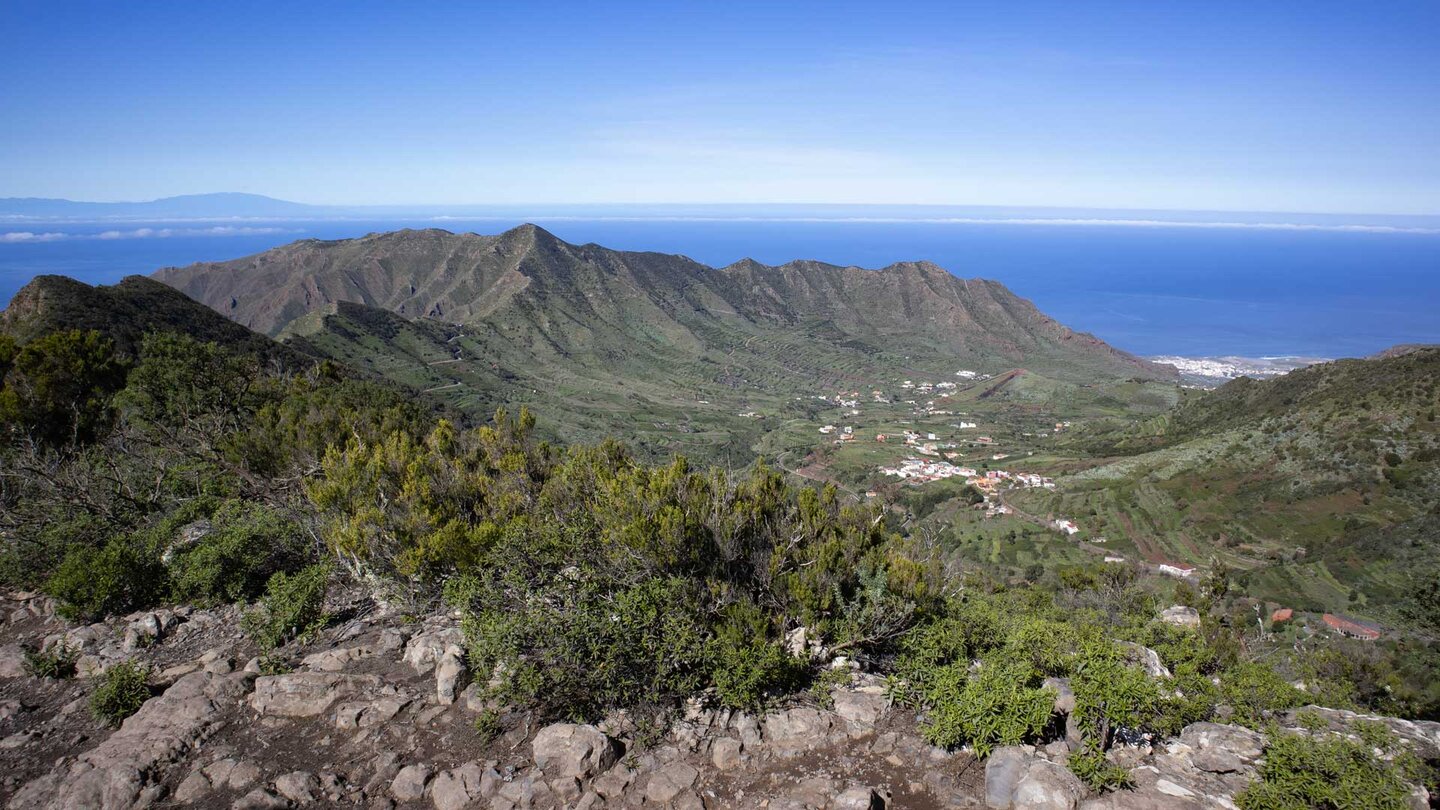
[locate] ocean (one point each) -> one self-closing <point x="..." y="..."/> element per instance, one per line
<point x="1146" y="288"/>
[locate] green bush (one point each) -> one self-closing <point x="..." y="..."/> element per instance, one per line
<point x="1111" y="693"/>
<point x="293" y="607"/>
<point x="121" y="692"/>
<point x="748" y="674"/>
<point x="1329" y="771"/>
<point x="1000" y="704"/>
<point x="1090" y="764"/>
<point x="248" y="544"/>
<point x="1254" y="691"/>
<point x="117" y="578"/>
<point x="57" y="661"/>
<point x="574" y="646"/>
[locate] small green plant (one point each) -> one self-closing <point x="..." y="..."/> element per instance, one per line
<point x="1329" y="771"/>
<point x="293" y="607"/>
<point x="748" y="669"/>
<point x="824" y="682"/>
<point x="487" y="725"/>
<point x="121" y="693"/>
<point x="57" y="662"/>
<point x="1090" y="764"/>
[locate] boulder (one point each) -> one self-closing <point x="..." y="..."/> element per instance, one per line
<point x="797" y="730"/>
<point x="450" y="675"/>
<point x="409" y="784"/>
<point x="260" y="799"/>
<point x="307" y="694"/>
<point x="1015" y="777"/>
<point x="300" y="787"/>
<point x="426" y="649"/>
<point x="12" y="661"/>
<point x="667" y="782"/>
<point x="725" y="753"/>
<point x="456" y="788"/>
<point x="858" y="798"/>
<point x="1181" y="616"/>
<point x="1003" y="771"/>
<point x="1422" y="735"/>
<point x="1145" y="658"/>
<point x="860" y="707"/>
<point x="575" y="751"/>
<point x="1048" y="786"/>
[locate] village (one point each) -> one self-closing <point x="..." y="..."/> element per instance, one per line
<point x="926" y="433"/>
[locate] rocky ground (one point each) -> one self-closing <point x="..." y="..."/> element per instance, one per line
<point x="379" y="712"/>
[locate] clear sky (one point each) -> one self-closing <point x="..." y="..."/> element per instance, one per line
<point x="1282" y="106"/>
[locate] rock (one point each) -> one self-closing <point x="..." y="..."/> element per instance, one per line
<point x="409" y="784"/>
<point x="12" y="661"/>
<point x="667" y="782"/>
<point x="259" y="799"/>
<point x="300" y="787"/>
<point x="426" y="649"/>
<point x="858" y="798"/>
<point x="1064" y="695"/>
<point x="1017" y="778"/>
<point x="797" y="730"/>
<point x="725" y="753"/>
<point x="361" y="714"/>
<point x="456" y="788"/>
<point x="796" y="643"/>
<point x="1181" y="616"/>
<point x="450" y="675"/>
<point x="1146" y="658"/>
<point x="306" y="694"/>
<point x="612" y="784"/>
<point x="1003" y="772"/>
<point x="334" y="660"/>
<point x="188" y="535"/>
<point x="195" y="787"/>
<point x="1048" y="786"/>
<point x="1235" y="741"/>
<point x="10" y="708"/>
<point x="1422" y="735"/>
<point x="116" y="773"/>
<point x="860" y="707"/>
<point x="243" y="775"/>
<point x="570" y="750"/>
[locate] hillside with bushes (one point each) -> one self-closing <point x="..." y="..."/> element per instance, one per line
<point x="188" y="517"/>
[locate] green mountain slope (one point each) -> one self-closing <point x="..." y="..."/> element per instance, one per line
<point x="124" y="312"/>
<point x="1321" y="486"/>
<point x="658" y="349"/>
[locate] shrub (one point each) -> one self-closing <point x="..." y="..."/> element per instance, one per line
<point x="1329" y="772"/>
<point x="117" y="578"/>
<point x="1000" y="704"/>
<point x="57" y="661"/>
<point x="575" y="646"/>
<point x="1111" y="693"/>
<point x="1090" y="764"/>
<point x="249" y="543"/>
<point x="749" y="669"/>
<point x="293" y="607"/>
<point x="1255" y="690"/>
<point x="121" y="693"/>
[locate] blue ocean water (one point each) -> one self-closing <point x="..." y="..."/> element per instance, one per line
<point x="1147" y="289"/>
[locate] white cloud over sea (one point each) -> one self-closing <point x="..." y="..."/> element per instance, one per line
<point x="31" y="237"/>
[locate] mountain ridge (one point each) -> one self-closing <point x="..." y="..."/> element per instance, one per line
<point x="459" y="278"/>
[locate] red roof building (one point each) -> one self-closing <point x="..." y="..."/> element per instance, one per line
<point x="1351" y="627"/>
<point x="1282" y="615"/>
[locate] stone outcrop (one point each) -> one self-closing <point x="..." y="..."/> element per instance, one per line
<point x="121" y="772"/>
<point x="306" y="694"/>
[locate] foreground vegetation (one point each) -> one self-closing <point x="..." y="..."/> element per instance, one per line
<point x="589" y="579"/>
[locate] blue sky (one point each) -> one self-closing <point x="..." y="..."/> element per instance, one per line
<point x="1271" y="106"/>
